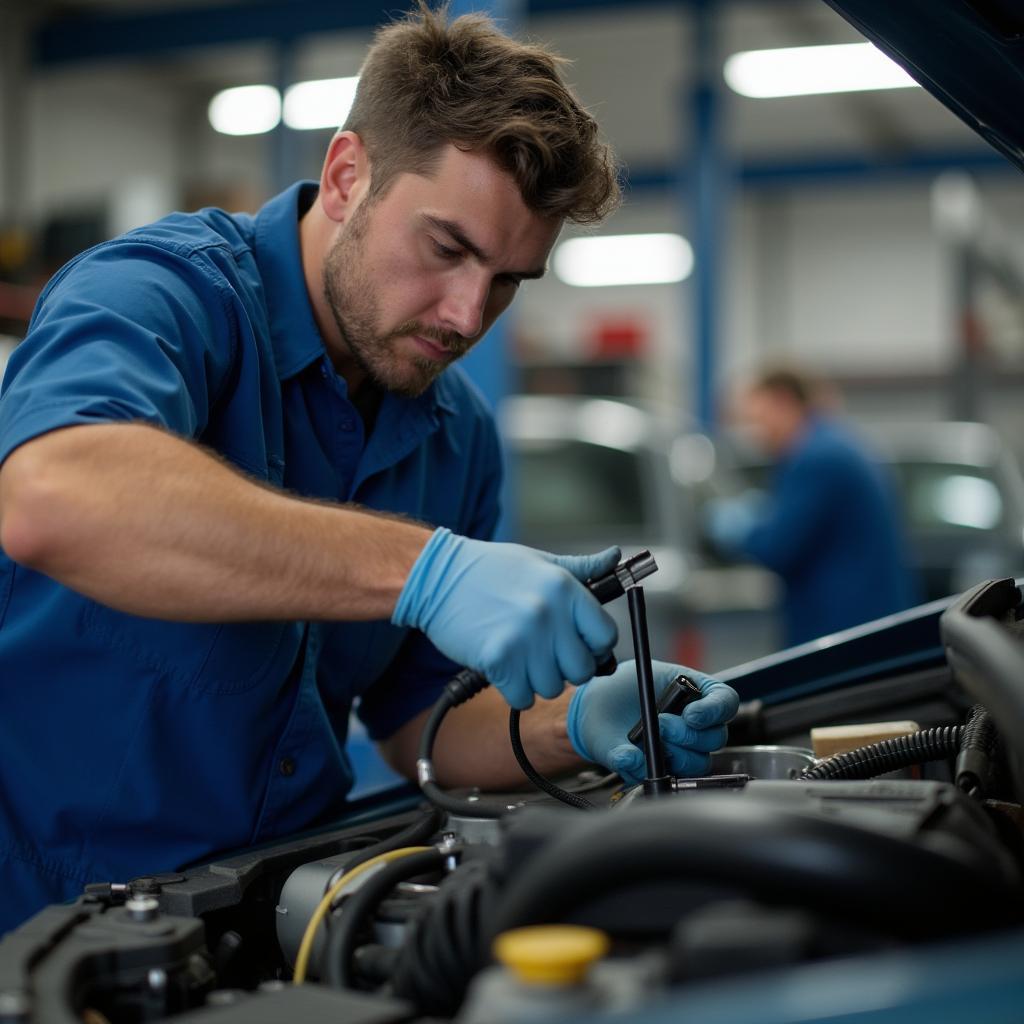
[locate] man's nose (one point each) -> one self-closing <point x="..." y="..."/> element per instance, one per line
<point x="464" y="303"/>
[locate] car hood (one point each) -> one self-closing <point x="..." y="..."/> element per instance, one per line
<point x="968" y="53"/>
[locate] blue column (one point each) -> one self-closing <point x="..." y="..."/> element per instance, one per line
<point x="707" y="201"/>
<point x="490" y="364"/>
<point x="284" y="143"/>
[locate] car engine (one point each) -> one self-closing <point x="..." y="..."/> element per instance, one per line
<point x="780" y="872"/>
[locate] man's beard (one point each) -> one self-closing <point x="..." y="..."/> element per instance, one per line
<point x="351" y="298"/>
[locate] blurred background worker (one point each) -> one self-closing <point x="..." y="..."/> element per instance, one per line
<point x="829" y="527"/>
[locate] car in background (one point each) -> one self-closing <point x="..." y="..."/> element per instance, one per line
<point x="585" y="473"/>
<point x="960" y="489"/>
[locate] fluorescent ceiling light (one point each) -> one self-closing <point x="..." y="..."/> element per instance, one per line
<point x="246" y="110"/>
<point x="623" y="259"/>
<point x="807" y="70"/>
<point x="324" y="103"/>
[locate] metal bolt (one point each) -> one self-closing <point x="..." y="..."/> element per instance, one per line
<point x="142" y="908"/>
<point x="157" y="979"/>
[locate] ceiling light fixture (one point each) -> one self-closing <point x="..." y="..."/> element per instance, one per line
<point x="323" y="103"/>
<point x="245" y="110"/>
<point x="623" y="259"/>
<point x="810" y="70"/>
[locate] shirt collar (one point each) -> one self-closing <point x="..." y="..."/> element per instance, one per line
<point x="293" y="330"/>
<point x="294" y="334"/>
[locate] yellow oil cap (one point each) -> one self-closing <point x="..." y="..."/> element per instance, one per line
<point x="550" y="954"/>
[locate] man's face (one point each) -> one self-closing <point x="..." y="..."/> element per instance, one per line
<point x="416" y="277"/>
<point x="770" y="419"/>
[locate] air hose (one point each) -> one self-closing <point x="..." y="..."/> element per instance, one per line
<point x="889" y="755"/>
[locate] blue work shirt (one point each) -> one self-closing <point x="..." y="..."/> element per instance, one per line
<point x="833" y="533"/>
<point x="130" y="745"/>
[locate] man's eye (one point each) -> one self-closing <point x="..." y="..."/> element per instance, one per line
<point x="444" y="252"/>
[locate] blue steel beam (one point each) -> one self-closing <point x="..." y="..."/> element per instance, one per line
<point x="827" y="170"/>
<point x="489" y="363"/>
<point x="71" y="38"/>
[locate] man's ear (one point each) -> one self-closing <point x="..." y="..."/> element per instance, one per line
<point x="345" y="177"/>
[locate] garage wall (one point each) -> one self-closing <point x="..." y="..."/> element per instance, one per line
<point x="847" y="277"/>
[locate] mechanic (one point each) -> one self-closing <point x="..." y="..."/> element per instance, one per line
<point x="830" y="526"/>
<point x="242" y="485"/>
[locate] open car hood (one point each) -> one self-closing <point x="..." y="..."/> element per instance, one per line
<point x="967" y="53"/>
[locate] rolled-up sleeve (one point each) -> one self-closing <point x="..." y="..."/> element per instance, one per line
<point x="130" y="331"/>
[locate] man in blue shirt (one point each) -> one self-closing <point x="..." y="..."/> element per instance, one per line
<point x="241" y="485"/>
<point x="830" y="527"/>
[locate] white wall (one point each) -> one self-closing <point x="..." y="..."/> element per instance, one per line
<point x="93" y="134"/>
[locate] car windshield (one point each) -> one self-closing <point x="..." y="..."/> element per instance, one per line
<point x="564" y="486"/>
<point x="944" y="495"/>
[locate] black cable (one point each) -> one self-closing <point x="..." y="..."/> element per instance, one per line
<point x="356" y="910"/>
<point x="976" y="762"/>
<point x="543" y="784"/>
<point x="414" y="834"/>
<point x="463" y="687"/>
<point x="889" y="755"/>
<point x="444" y="950"/>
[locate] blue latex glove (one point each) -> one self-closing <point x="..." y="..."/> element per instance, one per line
<point x="521" y="617"/>
<point x="602" y="712"/>
<point x="729" y="521"/>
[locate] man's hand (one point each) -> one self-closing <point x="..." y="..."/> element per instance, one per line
<point x="602" y="712"/>
<point x="521" y="617"/>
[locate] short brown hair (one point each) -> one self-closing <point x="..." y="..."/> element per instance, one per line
<point x="784" y="380"/>
<point x="427" y="81"/>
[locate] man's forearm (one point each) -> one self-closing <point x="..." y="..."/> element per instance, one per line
<point x="473" y="747"/>
<point x="149" y="523"/>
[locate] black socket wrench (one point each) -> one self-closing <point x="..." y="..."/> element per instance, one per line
<point x="680" y="692"/>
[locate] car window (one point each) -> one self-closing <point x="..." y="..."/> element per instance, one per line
<point x="564" y="486"/>
<point x="948" y="496"/>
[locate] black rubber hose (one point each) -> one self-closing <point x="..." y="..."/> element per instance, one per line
<point x="545" y="785"/>
<point x="430" y="789"/>
<point x="414" y="834"/>
<point x="779" y="856"/>
<point x="443" y="952"/>
<point x="976" y="762"/>
<point x="464" y="686"/>
<point x="357" y="909"/>
<point x="889" y="755"/>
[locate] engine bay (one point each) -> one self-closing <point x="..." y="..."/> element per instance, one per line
<point x="652" y="906"/>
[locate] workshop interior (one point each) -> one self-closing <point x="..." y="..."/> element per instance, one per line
<point x="855" y="852"/>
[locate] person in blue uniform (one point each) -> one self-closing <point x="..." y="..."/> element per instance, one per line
<point x="830" y="526"/>
<point x="242" y="485"/>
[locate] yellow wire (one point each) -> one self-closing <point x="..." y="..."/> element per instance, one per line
<point x="306" y="946"/>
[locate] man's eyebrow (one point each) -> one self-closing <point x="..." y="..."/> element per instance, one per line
<point x="458" y="235"/>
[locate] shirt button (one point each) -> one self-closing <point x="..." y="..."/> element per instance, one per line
<point x="286" y="766"/>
